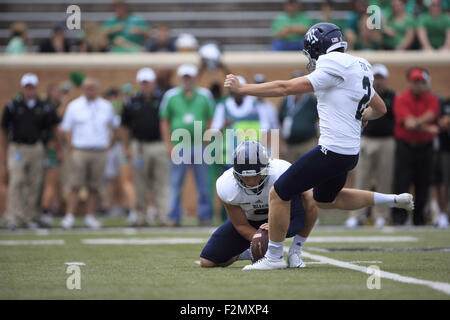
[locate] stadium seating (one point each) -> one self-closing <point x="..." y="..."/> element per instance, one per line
<point x="236" y="25"/>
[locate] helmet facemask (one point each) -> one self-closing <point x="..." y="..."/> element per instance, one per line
<point x="251" y="173"/>
<point x="311" y="66"/>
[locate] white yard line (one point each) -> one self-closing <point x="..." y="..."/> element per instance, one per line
<point x="364" y="261"/>
<point x="144" y="241"/>
<point x="361" y="239"/>
<point x="440" y="286"/>
<point x="152" y="241"/>
<point x="30" y="242"/>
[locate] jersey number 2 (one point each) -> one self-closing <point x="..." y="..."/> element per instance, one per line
<point x="362" y="105"/>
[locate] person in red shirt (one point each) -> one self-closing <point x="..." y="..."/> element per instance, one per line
<point x="416" y="112"/>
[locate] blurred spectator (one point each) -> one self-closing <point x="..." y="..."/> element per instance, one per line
<point x="111" y="194"/>
<point x="127" y="32"/>
<point x="358" y="35"/>
<point x="181" y="108"/>
<point x="162" y="42"/>
<point x="326" y="10"/>
<point x="94" y="38"/>
<point x="416" y="112"/>
<point x="126" y="170"/>
<point x="444" y="157"/>
<point x="289" y="27"/>
<point x="270" y="113"/>
<point x="57" y="43"/>
<point x="88" y="124"/>
<point x="384" y="5"/>
<point x="433" y="28"/>
<point x="416" y="7"/>
<point x="216" y="169"/>
<point x="211" y="59"/>
<point x="239" y="112"/>
<point x="376" y="158"/>
<point x="51" y="196"/>
<point x="186" y="42"/>
<point x="163" y="82"/>
<point x="140" y="122"/>
<point x="398" y="31"/>
<point x="127" y="92"/>
<point x="25" y="118"/>
<point x="298" y="117"/>
<point x="216" y="91"/>
<point x="18" y="40"/>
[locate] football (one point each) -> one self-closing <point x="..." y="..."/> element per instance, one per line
<point x="259" y="245"/>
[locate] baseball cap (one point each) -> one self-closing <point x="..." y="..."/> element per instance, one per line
<point x="381" y="70"/>
<point x="241" y="79"/>
<point x="210" y="51"/>
<point x="259" y="78"/>
<point x="187" y="70"/>
<point x="186" y="40"/>
<point x="29" y="78"/>
<point x="417" y="74"/>
<point x="145" y="74"/>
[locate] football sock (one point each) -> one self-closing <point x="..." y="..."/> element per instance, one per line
<point x="246" y="255"/>
<point x="297" y="243"/>
<point x="275" y="250"/>
<point x="387" y="200"/>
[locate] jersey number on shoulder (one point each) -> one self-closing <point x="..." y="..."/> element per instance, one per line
<point x="362" y="105"/>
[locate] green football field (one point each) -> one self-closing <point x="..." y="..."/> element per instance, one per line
<point x="160" y="263"/>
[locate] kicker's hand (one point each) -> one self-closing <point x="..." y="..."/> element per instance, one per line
<point x="232" y="83"/>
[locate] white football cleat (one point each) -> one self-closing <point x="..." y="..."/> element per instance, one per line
<point x="380" y="222"/>
<point x="404" y="201"/>
<point x="132" y="218"/>
<point x="266" y="264"/>
<point x="31" y="225"/>
<point x="295" y="260"/>
<point x="351" y="222"/>
<point x="442" y="221"/>
<point x="46" y="220"/>
<point x="68" y="221"/>
<point x="91" y="222"/>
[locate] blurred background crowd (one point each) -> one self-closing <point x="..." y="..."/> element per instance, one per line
<point x="176" y="26"/>
<point x="81" y="151"/>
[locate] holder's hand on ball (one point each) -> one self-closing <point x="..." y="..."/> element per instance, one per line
<point x="264" y="226"/>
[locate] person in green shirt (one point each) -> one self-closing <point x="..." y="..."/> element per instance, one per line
<point x="126" y="32"/>
<point x="326" y="9"/>
<point x="384" y="5"/>
<point x="18" y="40"/>
<point x="182" y="109"/>
<point x="356" y="32"/>
<point x="398" y="28"/>
<point x="289" y="27"/>
<point x="433" y="28"/>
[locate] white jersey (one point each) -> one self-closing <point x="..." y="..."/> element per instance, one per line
<point x="255" y="206"/>
<point x="343" y="85"/>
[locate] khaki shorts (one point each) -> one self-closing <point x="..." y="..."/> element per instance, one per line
<point x="87" y="168"/>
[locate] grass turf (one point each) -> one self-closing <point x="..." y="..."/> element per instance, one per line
<point x="170" y="272"/>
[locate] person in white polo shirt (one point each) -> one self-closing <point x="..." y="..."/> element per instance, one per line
<point x="90" y="127"/>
